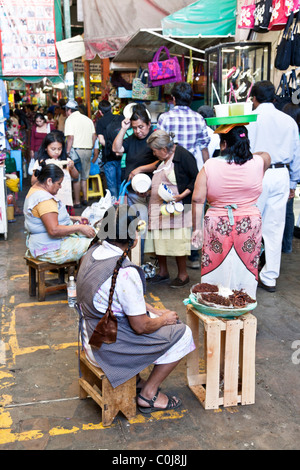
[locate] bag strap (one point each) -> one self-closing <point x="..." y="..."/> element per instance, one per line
<point x="288" y="25"/>
<point x="283" y="85"/>
<point x="156" y="57"/>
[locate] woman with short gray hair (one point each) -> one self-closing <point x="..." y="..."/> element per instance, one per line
<point x="169" y="227"/>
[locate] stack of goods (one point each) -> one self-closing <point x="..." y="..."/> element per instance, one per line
<point x="219" y="296"/>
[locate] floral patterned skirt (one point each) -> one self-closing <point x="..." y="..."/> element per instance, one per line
<point x="230" y="253"/>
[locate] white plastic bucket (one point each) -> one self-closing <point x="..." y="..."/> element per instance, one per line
<point x="141" y="183"/>
<point x="221" y="110"/>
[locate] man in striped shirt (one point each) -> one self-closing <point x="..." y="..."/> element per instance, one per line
<point x="188" y="126"/>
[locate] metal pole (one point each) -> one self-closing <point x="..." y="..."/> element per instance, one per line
<point x="67" y="23"/>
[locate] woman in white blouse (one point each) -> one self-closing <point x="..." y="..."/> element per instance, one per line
<point x="128" y="338"/>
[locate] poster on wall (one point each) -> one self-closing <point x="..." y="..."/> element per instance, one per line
<point x="27" y="37"/>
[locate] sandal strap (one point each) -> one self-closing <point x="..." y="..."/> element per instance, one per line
<point x="150" y="402"/>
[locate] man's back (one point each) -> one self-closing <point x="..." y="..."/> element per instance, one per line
<point x="82" y="128"/>
<point x="274" y="132"/>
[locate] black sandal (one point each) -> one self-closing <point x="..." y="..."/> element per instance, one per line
<point x="171" y="405"/>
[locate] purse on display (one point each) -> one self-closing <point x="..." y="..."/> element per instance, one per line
<point x="247" y="15"/>
<point x="295" y="52"/>
<point x="284" y="48"/>
<point x="164" y="71"/>
<point x="141" y="89"/>
<point x="283" y="95"/>
<point x="281" y="9"/>
<point x="262" y="16"/>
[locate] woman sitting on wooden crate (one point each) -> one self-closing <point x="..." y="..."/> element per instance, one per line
<point x="52" y="234"/>
<point x="118" y="333"/>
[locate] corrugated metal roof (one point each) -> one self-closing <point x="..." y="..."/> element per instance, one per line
<point x="141" y="48"/>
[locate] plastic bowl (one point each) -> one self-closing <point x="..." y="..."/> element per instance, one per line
<point x="165" y="193"/>
<point x="141" y="183"/>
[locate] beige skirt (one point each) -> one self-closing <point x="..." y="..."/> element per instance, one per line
<point x="169" y="242"/>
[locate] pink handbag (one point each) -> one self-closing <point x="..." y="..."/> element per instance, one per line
<point x="164" y="71"/>
<point x="247" y="15"/>
<point x="281" y="9"/>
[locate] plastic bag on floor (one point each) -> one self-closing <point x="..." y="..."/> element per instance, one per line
<point x="96" y="211"/>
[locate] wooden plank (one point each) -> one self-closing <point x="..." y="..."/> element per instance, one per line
<point x="136" y="253"/>
<point x="231" y="365"/>
<point x="248" y="363"/>
<point x="213" y="342"/>
<point x="193" y="358"/>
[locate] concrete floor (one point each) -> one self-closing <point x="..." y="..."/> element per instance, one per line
<point x="39" y="404"/>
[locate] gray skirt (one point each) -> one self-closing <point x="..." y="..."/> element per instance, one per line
<point x="131" y="353"/>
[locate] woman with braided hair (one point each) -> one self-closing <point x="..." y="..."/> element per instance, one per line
<point x="118" y="332"/>
<point x="231" y="234"/>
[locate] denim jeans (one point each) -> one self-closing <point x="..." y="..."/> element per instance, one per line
<point x="112" y="172"/>
<point x="288" y="233"/>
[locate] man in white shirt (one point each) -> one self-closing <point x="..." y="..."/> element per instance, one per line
<point x="81" y="135"/>
<point x="276" y="133"/>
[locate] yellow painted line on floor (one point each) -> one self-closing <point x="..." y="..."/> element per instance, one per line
<point x="8" y="330"/>
<point x="8" y="437"/>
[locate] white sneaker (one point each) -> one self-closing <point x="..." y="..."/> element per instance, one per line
<point x="193" y="264"/>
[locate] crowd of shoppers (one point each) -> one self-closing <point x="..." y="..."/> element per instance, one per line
<point x="230" y="191"/>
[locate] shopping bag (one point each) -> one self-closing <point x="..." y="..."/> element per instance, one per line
<point x="247" y="15"/>
<point x="295" y="52"/>
<point x="284" y="48"/>
<point x="142" y="91"/>
<point x="164" y="71"/>
<point x="283" y="95"/>
<point x="30" y="166"/>
<point x="262" y="16"/>
<point x="280" y="12"/>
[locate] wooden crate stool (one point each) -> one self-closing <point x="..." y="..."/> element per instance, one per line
<point x="37" y="276"/>
<point x="94" y="187"/>
<point x="229" y="359"/>
<point x="95" y="384"/>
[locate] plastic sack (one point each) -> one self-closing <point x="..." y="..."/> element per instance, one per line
<point x="96" y="211"/>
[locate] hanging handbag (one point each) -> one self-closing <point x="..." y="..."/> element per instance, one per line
<point x="141" y="90"/>
<point x="292" y="84"/>
<point x="295" y="53"/>
<point x="247" y="15"/>
<point x="283" y="95"/>
<point x="164" y="71"/>
<point x="280" y="12"/>
<point x="262" y="16"/>
<point x="284" y="48"/>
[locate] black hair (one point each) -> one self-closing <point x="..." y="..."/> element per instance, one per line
<point x="48" y="171"/>
<point x="40" y="116"/>
<point x="293" y="110"/>
<point x="104" y="106"/>
<point x="183" y="93"/>
<point x="106" y="330"/>
<point x="238" y="145"/>
<point x="206" y="111"/>
<point x="139" y="111"/>
<point x="264" y="91"/>
<point x="118" y="225"/>
<point x="54" y="136"/>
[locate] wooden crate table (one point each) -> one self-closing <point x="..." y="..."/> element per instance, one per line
<point x="95" y="384"/>
<point x="229" y="359"/>
<point x="37" y="276"/>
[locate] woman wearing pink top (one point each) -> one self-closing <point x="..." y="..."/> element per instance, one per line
<point x="231" y="185"/>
